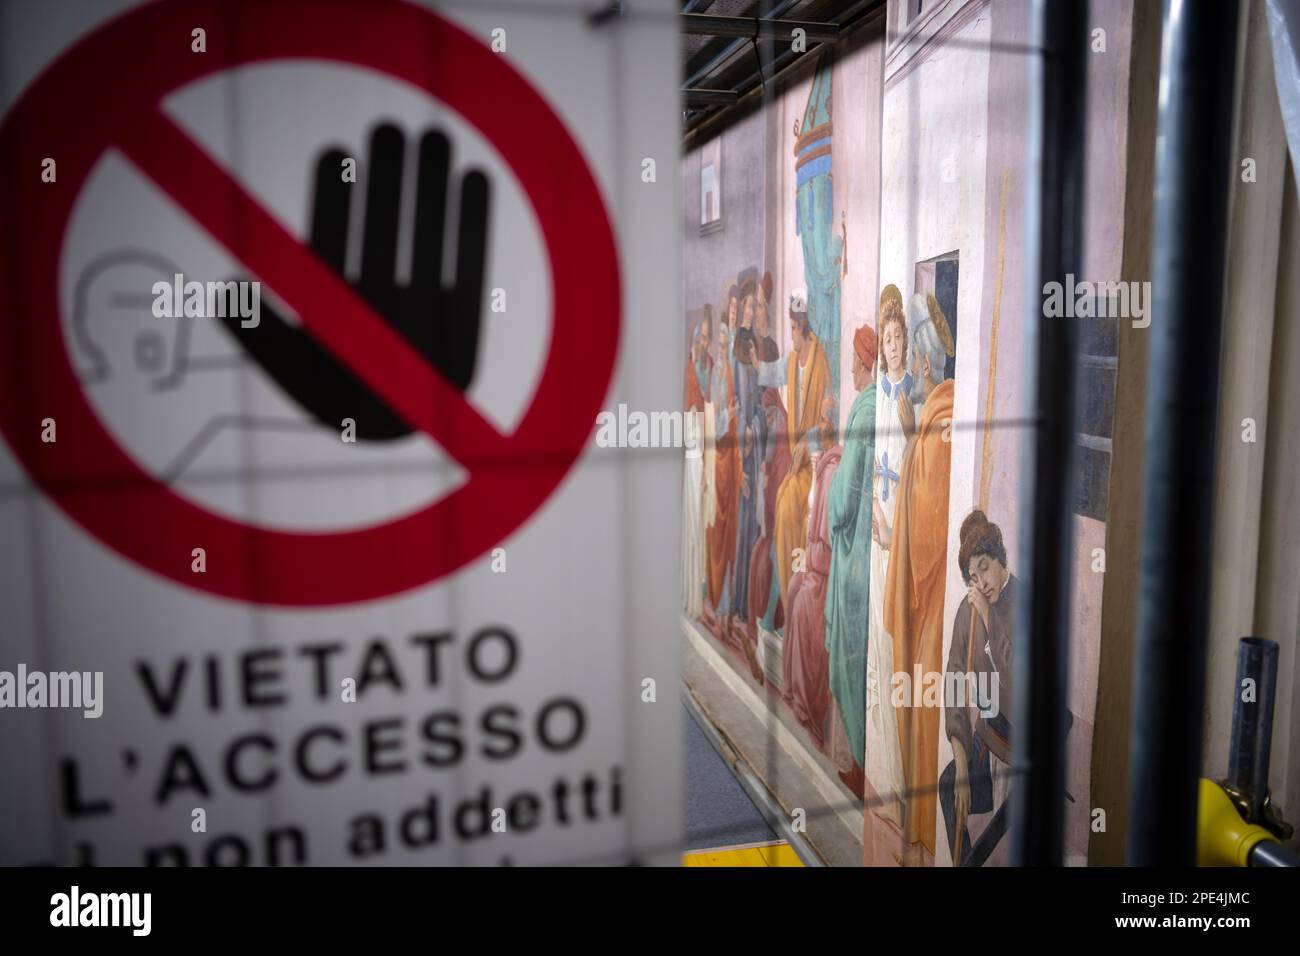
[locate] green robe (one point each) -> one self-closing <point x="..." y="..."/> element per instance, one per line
<point x="848" y="584"/>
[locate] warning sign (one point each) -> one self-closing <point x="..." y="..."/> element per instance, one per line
<point x="510" y="475"/>
<point x="312" y="311"/>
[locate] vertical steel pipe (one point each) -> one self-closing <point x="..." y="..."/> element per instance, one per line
<point x="1193" y="169"/>
<point x="1058" y="90"/>
<point x="1252" y="722"/>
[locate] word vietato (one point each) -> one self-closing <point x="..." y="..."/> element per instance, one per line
<point x="262" y="678"/>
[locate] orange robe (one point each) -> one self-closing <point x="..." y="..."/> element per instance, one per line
<point x="914" y="592"/>
<point x="726" y="486"/>
<point x="804" y="408"/>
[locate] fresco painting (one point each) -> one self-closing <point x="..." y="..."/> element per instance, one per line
<point x="850" y="526"/>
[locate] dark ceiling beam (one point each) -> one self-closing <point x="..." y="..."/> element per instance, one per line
<point x="730" y="50"/>
<point x="704" y="24"/>
<point x="697" y="97"/>
<point x="697" y="118"/>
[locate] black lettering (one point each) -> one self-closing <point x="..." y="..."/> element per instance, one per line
<point x="291" y="835"/>
<point x="467" y="808"/>
<point x="163" y="701"/>
<point x="432" y="644"/>
<point x="233" y="776"/>
<point x="500" y="721"/>
<point x="73" y="804"/>
<point x="254" y="677"/>
<point x="544" y="731"/>
<point x="305" y="770"/>
<point x="589" y="787"/>
<point x="511" y="655"/>
<point x="181" y="772"/>
<point x="561" y="794"/>
<point x="242" y="853"/>
<point x="375" y="746"/>
<point x="449" y="742"/>
<point x="420" y="825"/>
<point x="378" y="665"/>
<point x="367" y="836"/>
<point x="212" y="668"/>
<point x="523" y="812"/>
<point x="319" y="654"/>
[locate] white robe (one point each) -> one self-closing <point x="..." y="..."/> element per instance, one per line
<point x="884" y="758"/>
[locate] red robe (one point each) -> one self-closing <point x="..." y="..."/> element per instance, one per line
<point x="726" y="486"/>
<point x="694" y="400"/>
<point x="806" y="683"/>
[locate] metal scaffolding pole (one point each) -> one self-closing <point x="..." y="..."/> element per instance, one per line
<point x="1193" y="169"/>
<point x="1058" y="87"/>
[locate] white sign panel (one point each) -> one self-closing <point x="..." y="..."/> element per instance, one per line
<point x="310" y="556"/>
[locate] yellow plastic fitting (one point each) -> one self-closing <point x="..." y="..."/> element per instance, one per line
<point x="1223" y="838"/>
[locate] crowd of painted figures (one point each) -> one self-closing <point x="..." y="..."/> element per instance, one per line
<point x="818" y="554"/>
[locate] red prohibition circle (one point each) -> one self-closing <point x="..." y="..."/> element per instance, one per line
<point x="106" y="92"/>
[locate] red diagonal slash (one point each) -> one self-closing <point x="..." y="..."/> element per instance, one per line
<point x="330" y="310"/>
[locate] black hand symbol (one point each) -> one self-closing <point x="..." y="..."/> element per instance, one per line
<point x="441" y="322"/>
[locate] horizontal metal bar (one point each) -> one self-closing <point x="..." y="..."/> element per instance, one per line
<point x="1268" y="853"/>
<point x="694" y="97"/>
<point x="1099" y="361"/>
<point x="704" y="24"/>
<point x="1095" y="442"/>
<point x="730" y="49"/>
